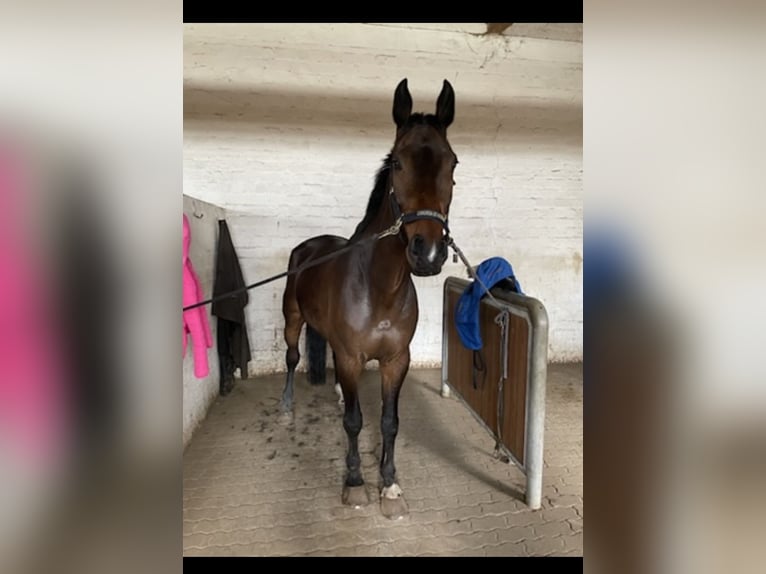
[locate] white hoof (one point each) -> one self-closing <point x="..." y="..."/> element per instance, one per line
<point x="340" y="394"/>
<point x="446" y="393"/>
<point x="391" y="492"/>
<point x="392" y="503"/>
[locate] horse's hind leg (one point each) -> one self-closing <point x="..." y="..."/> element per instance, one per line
<point x="293" y="325"/>
<point x="392" y="373"/>
<point x="338" y="389"/>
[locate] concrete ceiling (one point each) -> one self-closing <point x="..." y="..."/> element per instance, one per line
<point x="563" y="32"/>
<point x="560" y="32"/>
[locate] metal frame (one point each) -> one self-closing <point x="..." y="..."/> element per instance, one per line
<point x="537" y="371"/>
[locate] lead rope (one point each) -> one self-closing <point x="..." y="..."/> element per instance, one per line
<point x="400" y="219"/>
<point x="393" y="230"/>
<point x="502" y="320"/>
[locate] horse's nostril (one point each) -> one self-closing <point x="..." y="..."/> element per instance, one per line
<point x="418" y="243"/>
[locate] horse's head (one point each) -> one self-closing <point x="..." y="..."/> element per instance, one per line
<point x="422" y="168"/>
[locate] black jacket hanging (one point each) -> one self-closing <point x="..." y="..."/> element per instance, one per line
<point x="233" y="343"/>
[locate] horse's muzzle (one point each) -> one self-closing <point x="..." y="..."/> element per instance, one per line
<point x="426" y="257"/>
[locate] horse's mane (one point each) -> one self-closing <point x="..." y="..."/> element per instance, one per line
<point x="376" y="197"/>
<point x="381" y="178"/>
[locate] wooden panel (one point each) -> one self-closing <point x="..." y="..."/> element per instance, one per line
<point x="484" y="399"/>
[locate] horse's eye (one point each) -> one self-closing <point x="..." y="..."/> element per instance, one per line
<point x="396" y="164"/>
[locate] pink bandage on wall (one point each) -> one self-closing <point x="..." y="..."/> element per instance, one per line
<point x="195" y="321"/>
<point x="32" y="378"/>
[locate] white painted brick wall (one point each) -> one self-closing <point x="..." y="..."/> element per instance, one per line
<point x="285" y="126"/>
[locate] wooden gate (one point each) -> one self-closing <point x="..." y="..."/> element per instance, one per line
<point x="511" y="385"/>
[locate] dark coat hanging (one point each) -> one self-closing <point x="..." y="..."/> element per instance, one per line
<point x="233" y="343"/>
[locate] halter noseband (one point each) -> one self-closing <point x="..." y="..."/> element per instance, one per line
<point x="404" y="218"/>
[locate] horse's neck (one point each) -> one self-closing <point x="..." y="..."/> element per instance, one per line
<point x="389" y="270"/>
<point x="385" y="216"/>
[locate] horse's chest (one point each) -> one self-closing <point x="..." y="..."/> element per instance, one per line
<point x="386" y="336"/>
<point x="380" y="334"/>
<point x="380" y="330"/>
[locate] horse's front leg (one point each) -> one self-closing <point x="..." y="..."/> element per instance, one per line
<point x="393" y="372"/>
<point x="354" y="491"/>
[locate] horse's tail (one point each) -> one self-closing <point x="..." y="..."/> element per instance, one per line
<point x="316" y="347"/>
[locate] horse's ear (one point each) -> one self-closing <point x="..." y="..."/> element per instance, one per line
<point x="402" y="103"/>
<point x="445" y="105"/>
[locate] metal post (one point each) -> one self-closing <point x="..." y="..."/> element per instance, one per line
<point x="536" y="405"/>
<point x="446" y="393"/>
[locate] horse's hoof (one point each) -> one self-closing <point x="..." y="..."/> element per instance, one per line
<point x="392" y="503"/>
<point x="226" y="387"/>
<point x="355" y="496"/>
<point x="286" y="416"/>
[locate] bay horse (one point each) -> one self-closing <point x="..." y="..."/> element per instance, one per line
<point x="363" y="302"/>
